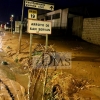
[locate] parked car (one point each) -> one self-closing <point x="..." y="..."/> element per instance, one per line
<point x="7" y="27"/>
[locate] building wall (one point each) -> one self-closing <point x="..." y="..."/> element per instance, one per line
<point x="17" y="26"/>
<point x="64" y="18"/>
<point x="60" y="20"/>
<point x="72" y="15"/>
<point x="77" y="26"/>
<point x="55" y="22"/>
<point x="91" y="30"/>
<point x="54" y="12"/>
<point x="40" y="17"/>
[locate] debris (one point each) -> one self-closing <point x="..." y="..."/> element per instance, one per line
<point x="16" y="60"/>
<point x="77" y="48"/>
<point x="4" y="63"/>
<point x="8" y="47"/>
<point x="11" y="53"/>
<point x="25" y="68"/>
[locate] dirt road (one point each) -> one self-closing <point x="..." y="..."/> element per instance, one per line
<point x="85" y="61"/>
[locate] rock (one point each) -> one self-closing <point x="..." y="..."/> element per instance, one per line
<point x="8" y="47"/>
<point x="25" y="68"/>
<point x="4" y="63"/>
<point x="16" y="60"/>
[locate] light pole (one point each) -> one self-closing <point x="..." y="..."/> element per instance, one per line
<point x="20" y="37"/>
<point x="11" y="19"/>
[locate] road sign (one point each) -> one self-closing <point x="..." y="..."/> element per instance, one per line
<point x="39" y="27"/>
<point x="32" y="14"/>
<point x="39" y="5"/>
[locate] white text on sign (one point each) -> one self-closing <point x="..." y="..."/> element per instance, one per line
<point x="39" y="5"/>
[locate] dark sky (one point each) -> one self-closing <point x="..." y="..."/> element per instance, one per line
<point x="8" y="7"/>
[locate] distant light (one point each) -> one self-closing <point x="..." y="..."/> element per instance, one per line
<point x="7" y="22"/>
<point x="12" y="15"/>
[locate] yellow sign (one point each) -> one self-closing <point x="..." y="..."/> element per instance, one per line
<point x="32" y="14"/>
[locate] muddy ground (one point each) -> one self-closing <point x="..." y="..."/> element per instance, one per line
<point x="80" y="82"/>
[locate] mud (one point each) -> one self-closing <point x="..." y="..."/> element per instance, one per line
<point x="81" y="82"/>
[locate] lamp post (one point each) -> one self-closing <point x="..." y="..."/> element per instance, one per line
<point x="20" y="37"/>
<point x="11" y="19"/>
<point x="12" y="15"/>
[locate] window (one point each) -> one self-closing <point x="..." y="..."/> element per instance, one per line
<point x="48" y="17"/>
<point x="42" y="19"/>
<point x="56" y="16"/>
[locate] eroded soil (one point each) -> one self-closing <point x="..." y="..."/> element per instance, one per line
<point x="80" y="82"/>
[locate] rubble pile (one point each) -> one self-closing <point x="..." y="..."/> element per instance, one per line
<point x="62" y="86"/>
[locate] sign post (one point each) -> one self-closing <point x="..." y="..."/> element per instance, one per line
<point x="31" y="38"/>
<point x="20" y="37"/>
<point x="38" y="27"/>
<point x="11" y="27"/>
<point x="46" y="44"/>
<point x="32" y="14"/>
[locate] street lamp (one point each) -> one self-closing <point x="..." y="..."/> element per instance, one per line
<point x="11" y="19"/>
<point x="20" y="36"/>
<point x="12" y="15"/>
<point x="7" y="23"/>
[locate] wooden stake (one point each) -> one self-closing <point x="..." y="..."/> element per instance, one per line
<point x="31" y="38"/>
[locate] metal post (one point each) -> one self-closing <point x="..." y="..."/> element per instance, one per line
<point x="30" y="53"/>
<point x="46" y="41"/>
<point x="20" y="37"/>
<point x="11" y="26"/>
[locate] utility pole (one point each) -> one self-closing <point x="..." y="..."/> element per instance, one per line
<point x="11" y="27"/>
<point x="11" y="19"/>
<point x="20" y="37"/>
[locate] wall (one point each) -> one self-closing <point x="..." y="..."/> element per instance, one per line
<point x="54" y="12"/>
<point x="59" y="22"/>
<point x="64" y="18"/>
<point x="72" y="15"/>
<point x="77" y="26"/>
<point x="41" y="17"/>
<point x="17" y="26"/>
<point x="91" y="30"/>
<point x="55" y="22"/>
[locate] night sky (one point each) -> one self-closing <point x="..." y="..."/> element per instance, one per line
<point x="8" y="7"/>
